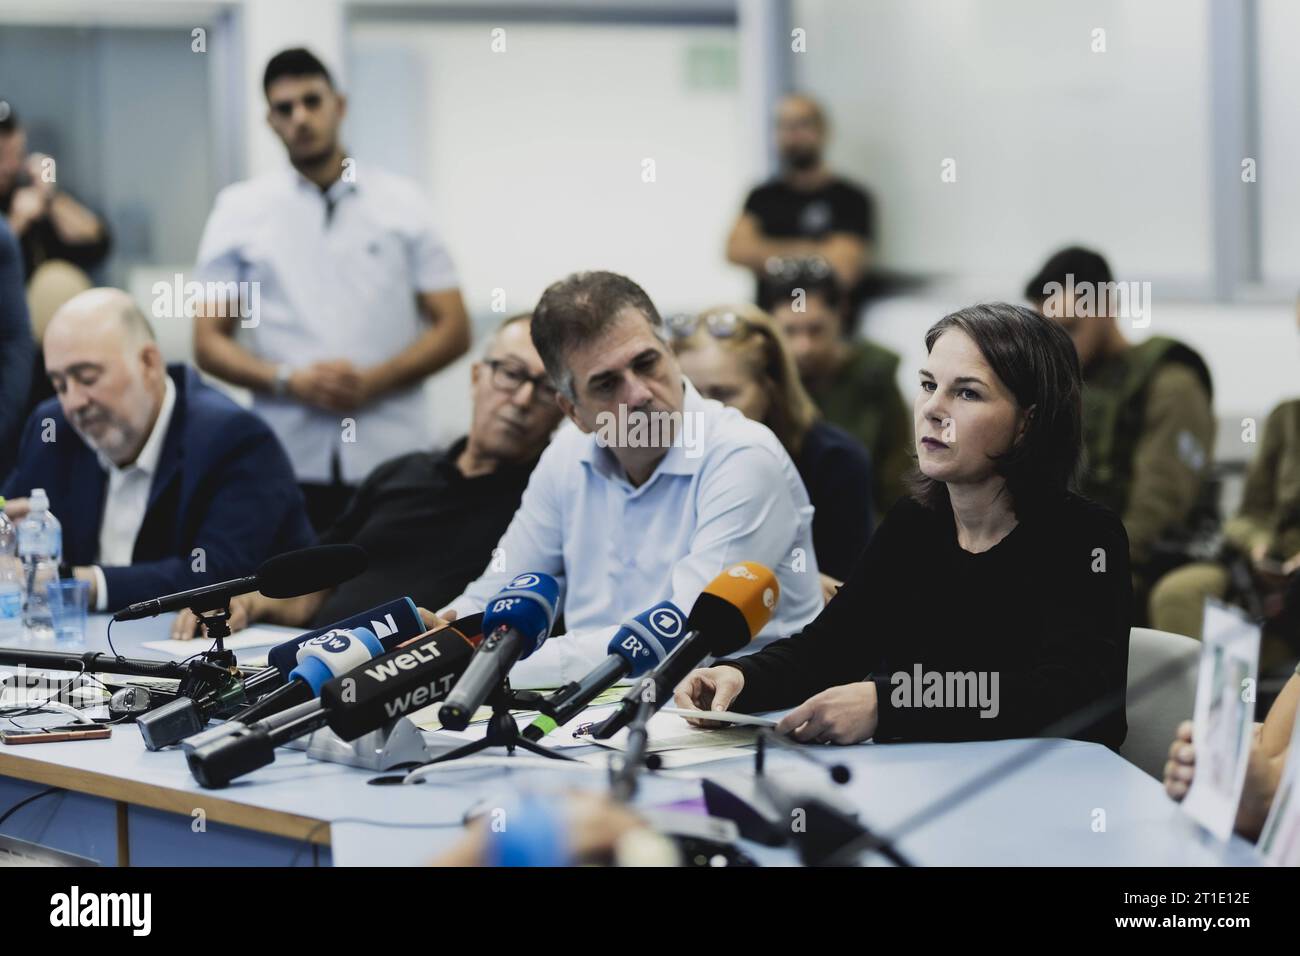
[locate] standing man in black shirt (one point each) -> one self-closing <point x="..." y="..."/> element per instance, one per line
<point x="806" y="211"/>
<point x="429" y="520"/>
<point x="47" y="221"/>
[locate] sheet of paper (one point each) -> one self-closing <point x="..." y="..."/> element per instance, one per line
<point x="670" y="732"/>
<point x="256" y="636"/>
<point x="1279" y="841"/>
<point x="1223" y="718"/>
<point x="723" y="716"/>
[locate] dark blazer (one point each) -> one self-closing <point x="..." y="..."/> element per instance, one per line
<point x="223" y="485"/>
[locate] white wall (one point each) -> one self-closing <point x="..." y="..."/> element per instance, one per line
<point x="1054" y="143"/>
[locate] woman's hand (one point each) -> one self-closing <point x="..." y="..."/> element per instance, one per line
<point x="241" y="615"/>
<point x="709" y="688"/>
<point x="840" y="715"/>
<point x="829" y="587"/>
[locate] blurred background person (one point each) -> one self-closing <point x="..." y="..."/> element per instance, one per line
<point x="1258" y="567"/>
<point x="49" y="223"/>
<point x="1148" y="422"/>
<point x="17" y="350"/>
<point x="807" y="210"/>
<point x="357" y="295"/>
<point x="734" y="354"/>
<point x="854" y="382"/>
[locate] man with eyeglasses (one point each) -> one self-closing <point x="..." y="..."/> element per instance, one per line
<point x="626" y="517"/>
<point x="332" y="296"/>
<point x="429" y="520"/>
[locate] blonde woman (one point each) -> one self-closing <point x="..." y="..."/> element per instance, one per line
<point x="736" y="355"/>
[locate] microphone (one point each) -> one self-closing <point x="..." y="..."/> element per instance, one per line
<point x="320" y="659"/>
<point x="393" y="622"/>
<point x="515" y="624"/>
<point x="283" y="576"/>
<point x="640" y="645"/>
<point x="731" y="609"/>
<point x="406" y="679"/>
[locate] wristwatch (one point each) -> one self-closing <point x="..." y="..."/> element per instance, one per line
<point x="281" y="384"/>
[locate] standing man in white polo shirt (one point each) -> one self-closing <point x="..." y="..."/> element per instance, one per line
<point x="338" y="299"/>
<point x="651" y="493"/>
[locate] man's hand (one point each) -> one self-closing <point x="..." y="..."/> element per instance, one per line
<point x="829" y="587"/>
<point x="27" y="206"/>
<point x="16" y="509"/>
<point x="1181" y="765"/>
<point x="335" y="386"/>
<point x="709" y="688"/>
<point x="436" y="622"/>
<point x="242" y="614"/>
<point x="840" y="715"/>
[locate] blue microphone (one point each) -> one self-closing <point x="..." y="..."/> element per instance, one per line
<point x="515" y="623"/>
<point x="636" y="648"/>
<point x="392" y="622"/>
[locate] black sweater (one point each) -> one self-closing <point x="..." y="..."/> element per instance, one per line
<point x="1036" y="609"/>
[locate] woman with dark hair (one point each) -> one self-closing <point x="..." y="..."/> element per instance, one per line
<point x="993" y="602"/>
<point x="736" y="355"/>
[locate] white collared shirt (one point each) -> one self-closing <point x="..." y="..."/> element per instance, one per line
<point x="338" y="284"/>
<point x="126" y="500"/>
<point x="616" y="550"/>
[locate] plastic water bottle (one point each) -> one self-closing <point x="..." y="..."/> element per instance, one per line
<point x="11" y="582"/>
<point x="40" y="546"/>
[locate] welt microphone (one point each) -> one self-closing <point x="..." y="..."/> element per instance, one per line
<point x="640" y="645"/>
<point x="516" y="622"/>
<point x="366" y="698"/>
<point x="731" y="609"/>
<point x="392" y="622"/>
<point x="324" y="657"/>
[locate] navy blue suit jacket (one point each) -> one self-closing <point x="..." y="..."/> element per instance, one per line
<point x="223" y="485"/>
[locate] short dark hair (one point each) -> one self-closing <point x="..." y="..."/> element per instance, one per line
<point x="1037" y="362"/>
<point x="297" y="61"/>
<point x="1084" y="264"/>
<point x="813" y="275"/>
<point x="579" y="309"/>
<point x="8" y="118"/>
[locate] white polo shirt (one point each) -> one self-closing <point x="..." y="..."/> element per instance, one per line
<point x="337" y="276"/>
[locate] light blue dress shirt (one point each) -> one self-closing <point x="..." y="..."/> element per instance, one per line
<point x="728" y="493"/>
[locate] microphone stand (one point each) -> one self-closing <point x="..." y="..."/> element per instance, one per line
<point x="502" y="729"/>
<point x="623" y="781"/>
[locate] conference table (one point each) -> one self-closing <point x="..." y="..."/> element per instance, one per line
<point x="1074" y="803"/>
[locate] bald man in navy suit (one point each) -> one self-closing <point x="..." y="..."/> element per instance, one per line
<point x="161" y="483"/>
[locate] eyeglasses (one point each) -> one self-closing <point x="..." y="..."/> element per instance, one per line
<point x="721" y="325"/>
<point x="511" y="378"/>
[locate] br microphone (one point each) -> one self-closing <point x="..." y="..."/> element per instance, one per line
<point x="731" y="609"/>
<point x="366" y="698"/>
<point x="393" y="622"/>
<point x="516" y="622"/>
<point x="283" y="576"/>
<point x="639" y="646"/>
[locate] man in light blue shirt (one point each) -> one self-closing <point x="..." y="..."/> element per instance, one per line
<point x="648" y="493"/>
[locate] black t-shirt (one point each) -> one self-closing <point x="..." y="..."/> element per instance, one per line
<point x="428" y="530"/>
<point x="787" y="213"/>
<point x="836" y="470"/>
<point x="41" y="242"/>
<point x="1036" y="610"/>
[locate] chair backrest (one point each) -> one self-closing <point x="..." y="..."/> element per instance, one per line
<point x="1155" y="715"/>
